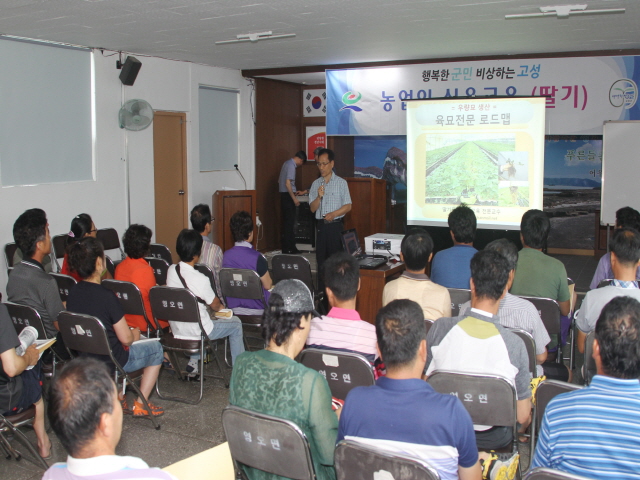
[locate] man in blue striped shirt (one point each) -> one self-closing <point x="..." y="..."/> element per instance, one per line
<point x="595" y="431"/>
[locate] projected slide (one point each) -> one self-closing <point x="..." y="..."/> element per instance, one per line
<point x="486" y="153"/>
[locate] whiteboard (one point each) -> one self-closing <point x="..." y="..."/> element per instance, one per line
<point x="620" y="168"/>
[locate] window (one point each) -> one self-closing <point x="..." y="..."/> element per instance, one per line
<point x="218" y="128"/>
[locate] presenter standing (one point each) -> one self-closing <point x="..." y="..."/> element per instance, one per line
<point x="330" y="200"/>
<point x="288" y="201"/>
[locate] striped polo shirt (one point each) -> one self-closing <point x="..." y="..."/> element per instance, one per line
<point x="594" y="431"/>
<point x="336" y="195"/>
<point x="343" y="329"/>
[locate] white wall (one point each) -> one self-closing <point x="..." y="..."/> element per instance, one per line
<point x="166" y="85"/>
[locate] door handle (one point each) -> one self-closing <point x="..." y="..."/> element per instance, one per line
<point x="180" y="192"/>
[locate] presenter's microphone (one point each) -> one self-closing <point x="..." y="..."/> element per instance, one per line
<point x="238" y="170"/>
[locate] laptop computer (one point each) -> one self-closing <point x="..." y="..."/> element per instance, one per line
<point x="351" y="245"/>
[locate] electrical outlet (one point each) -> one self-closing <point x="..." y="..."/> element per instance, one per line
<point x="258" y="222"/>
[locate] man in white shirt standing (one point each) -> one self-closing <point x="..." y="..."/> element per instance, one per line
<point x="184" y="275"/>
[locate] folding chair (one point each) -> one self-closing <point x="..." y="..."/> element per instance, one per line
<point x="180" y="305"/>
<point x="110" y="240"/>
<point x="545" y="392"/>
<point x="205" y="270"/>
<point x="160" y="269"/>
<point x="9" y="425"/>
<point x="489" y="399"/>
<point x="86" y="334"/>
<point x="111" y="267"/>
<point x="58" y="244"/>
<point x="356" y="461"/>
<point x="130" y="298"/>
<point x="530" y="345"/>
<point x="589" y="367"/>
<point x="428" y="324"/>
<point x="549" y="312"/>
<point x="343" y="370"/>
<point x="542" y="473"/>
<point x="605" y="283"/>
<point x="158" y="250"/>
<point x="65" y="282"/>
<point x="23" y="316"/>
<point x="294" y="266"/>
<point x="459" y="296"/>
<point x="267" y="443"/>
<point x="9" y="252"/>
<point x="245" y="284"/>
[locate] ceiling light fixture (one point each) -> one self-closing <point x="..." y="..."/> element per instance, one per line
<point x="254" y="37"/>
<point x="564" y="11"/>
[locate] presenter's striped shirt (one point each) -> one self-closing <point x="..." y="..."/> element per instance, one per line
<point x="594" y="431"/>
<point x="336" y="195"/>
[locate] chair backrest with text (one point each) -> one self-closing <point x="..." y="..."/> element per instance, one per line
<point x="241" y="283"/>
<point x="65" y="283"/>
<point x="23" y="316"/>
<point x="158" y="250"/>
<point x="343" y="370"/>
<point x="160" y="269"/>
<point x="268" y="443"/>
<point x="175" y="304"/>
<point x="291" y="266"/>
<point x="459" y="296"/>
<point x="549" y="311"/>
<point x="130" y="298"/>
<point x="354" y="460"/>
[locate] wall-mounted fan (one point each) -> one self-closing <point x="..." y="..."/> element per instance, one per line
<point x="135" y="115"/>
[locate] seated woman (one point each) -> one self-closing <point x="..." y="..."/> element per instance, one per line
<point x="243" y="255"/>
<point x="81" y="227"/>
<point x="270" y="381"/>
<point x="86" y="257"/>
<point x="135" y="269"/>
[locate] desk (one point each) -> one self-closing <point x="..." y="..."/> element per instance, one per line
<point x="212" y="464"/>
<point x="372" y="283"/>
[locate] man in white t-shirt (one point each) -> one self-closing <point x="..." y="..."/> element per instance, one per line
<point x="184" y="275"/>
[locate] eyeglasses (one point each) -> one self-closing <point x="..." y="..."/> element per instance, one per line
<point x="322" y="164"/>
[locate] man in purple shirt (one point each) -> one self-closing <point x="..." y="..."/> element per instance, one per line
<point x="84" y="390"/>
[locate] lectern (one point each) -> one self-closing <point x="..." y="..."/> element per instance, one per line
<point x="223" y="205"/>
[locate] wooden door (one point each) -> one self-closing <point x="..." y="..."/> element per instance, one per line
<point x="170" y="177"/>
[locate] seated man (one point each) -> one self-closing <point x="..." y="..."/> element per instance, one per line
<point x="183" y="275"/>
<point x="416" y="252"/>
<point x="243" y="255"/>
<point x="537" y="274"/>
<point x="516" y="312"/>
<point x="342" y="328"/>
<point x="595" y="431"/>
<point x="84" y="390"/>
<point x="28" y="283"/>
<point x="625" y="259"/>
<point x="626" y="217"/>
<point x="211" y="255"/>
<point x="402" y="413"/>
<point x="451" y="266"/>
<point x="20" y="388"/>
<point x="477" y="343"/>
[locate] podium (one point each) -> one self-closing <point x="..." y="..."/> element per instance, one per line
<point x="368" y="213"/>
<point x="224" y="204"/>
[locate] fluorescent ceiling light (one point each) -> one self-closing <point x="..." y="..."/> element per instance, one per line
<point x="254" y="37"/>
<point x="564" y="11"/>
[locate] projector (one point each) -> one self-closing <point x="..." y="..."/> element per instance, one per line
<point x="383" y="244"/>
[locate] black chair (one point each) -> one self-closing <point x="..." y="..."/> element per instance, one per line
<point x="530" y="345"/>
<point x="158" y="250"/>
<point x="545" y="392"/>
<point x="245" y="284"/>
<point x="589" y="367"/>
<point x="343" y="370"/>
<point x="86" y="334"/>
<point x="160" y="269"/>
<point x="23" y="316"/>
<point x="65" y="283"/>
<point x="10" y="426"/>
<point x="459" y="296"/>
<point x="111" y="267"/>
<point x="294" y="266"/>
<point x="130" y="298"/>
<point x="267" y="443"/>
<point x="58" y="244"/>
<point x="205" y="270"/>
<point x="549" y="312"/>
<point x="180" y="305"/>
<point x="110" y="240"/>
<point x="356" y="461"/>
<point x="428" y="324"/>
<point x="9" y="252"/>
<point x="489" y="399"/>
<point x="541" y="473"/>
<point x="605" y="283"/>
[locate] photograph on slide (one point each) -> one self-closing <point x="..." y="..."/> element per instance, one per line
<point x="485" y="159"/>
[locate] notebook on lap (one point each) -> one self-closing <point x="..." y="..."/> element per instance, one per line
<point x="351" y="245"/>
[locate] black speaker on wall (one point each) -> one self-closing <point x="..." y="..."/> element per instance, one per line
<point x="130" y="69"/>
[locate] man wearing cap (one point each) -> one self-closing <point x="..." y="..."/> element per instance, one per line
<point x="270" y="381"/>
